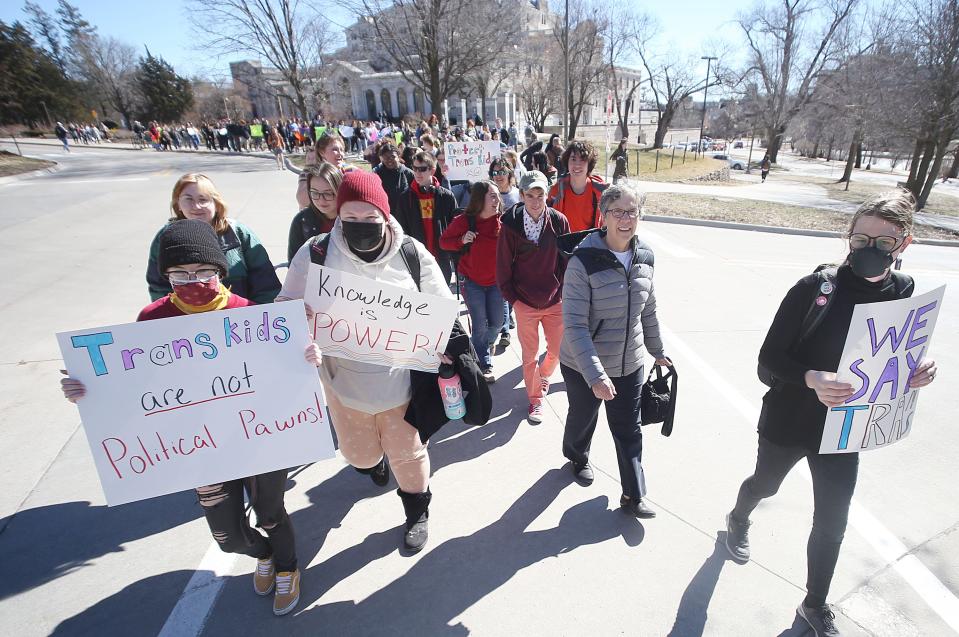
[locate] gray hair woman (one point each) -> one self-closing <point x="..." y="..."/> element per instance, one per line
<point x="609" y="320"/>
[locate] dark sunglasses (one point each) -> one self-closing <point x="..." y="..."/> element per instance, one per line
<point x="422" y="169"/>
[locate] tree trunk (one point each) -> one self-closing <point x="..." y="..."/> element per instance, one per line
<point x="940" y="154"/>
<point x="914" y="164"/>
<point x="858" y="155"/>
<point x="774" y="141"/>
<point x="660" y="134"/>
<point x="954" y="171"/>
<point x="829" y="150"/>
<point x="928" y="154"/>
<point x="850" y="159"/>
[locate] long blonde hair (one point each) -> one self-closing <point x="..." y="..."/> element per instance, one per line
<point x="205" y="185"/>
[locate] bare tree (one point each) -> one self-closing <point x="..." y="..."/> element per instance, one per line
<point x="290" y="35"/>
<point x="791" y="43"/>
<point x="111" y="67"/>
<point x="584" y="46"/>
<point x="540" y="84"/>
<point x="672" y="80"/>
<point x="439" y="45"/>
<point x="627" y="27"/>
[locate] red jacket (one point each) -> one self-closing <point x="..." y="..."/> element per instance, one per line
<point x="164" y="308"/>
<point x="528" y="272"/>
<point x="478" y="264"/>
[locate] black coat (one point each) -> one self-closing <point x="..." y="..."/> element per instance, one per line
<point x="426" y="412"/>
<point x="395" y="183"/>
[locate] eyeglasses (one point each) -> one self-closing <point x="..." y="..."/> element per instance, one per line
<point x="180" y="277"/>
<point x="422" y="169"/>
<point x="500" y="173"/>
<point x="328" y="195"/>
<point x="883" y="242"/>
<point x="199" y="202"/>
<point x="619" y="214"/>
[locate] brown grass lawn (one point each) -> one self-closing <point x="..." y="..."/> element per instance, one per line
<point x="13" y="164"/>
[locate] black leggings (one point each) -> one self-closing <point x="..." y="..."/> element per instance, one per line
<point x="223" y="507"/>
<point x="833" y="483"/>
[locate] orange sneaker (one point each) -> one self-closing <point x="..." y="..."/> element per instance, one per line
<point x="264" y="577"/>
<point x="287" y="592"/>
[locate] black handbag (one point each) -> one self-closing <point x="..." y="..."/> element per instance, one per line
<point x="658" y="398"/>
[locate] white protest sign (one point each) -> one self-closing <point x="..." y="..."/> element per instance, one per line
<point x="365" y="320"/>
<point x="885" y="343"/>
<point x="189" y="401"/>
<point x="470" y="160"/>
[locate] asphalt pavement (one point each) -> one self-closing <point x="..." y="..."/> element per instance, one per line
<point x="516" y="547"/>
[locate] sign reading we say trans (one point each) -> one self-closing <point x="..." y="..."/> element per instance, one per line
<point x="470" y="160"/>
<point x="184" y="402"/>
<point x="886" y="342"/>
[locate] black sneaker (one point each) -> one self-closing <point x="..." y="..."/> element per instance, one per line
<point x="636" y="507"/>
<point x="583" y="473"/>
<point x="380" y="474"/>
<point x="820" y="619"/>
<point x="737" y="538"/>
<point x="504" y="340"/>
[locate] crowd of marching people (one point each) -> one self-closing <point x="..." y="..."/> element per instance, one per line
<point x="543" y="249"/>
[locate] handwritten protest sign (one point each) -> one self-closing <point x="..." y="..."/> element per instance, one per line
<point x="319" y="130"/>
<point x="885" y="344"/>
<point x="398" y="135"/>
<point x="189" y="401"/>
<point x="470" y="160"/>
<point x="365" y="320"/>
<point x="256" y="130"/>
<point x="346" y="131"/>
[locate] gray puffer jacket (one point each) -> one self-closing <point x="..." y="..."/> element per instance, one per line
<point x="608" y="315"/>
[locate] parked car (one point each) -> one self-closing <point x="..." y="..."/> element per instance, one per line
<point x="738" y="164"/>
<point x="738" y="144"/>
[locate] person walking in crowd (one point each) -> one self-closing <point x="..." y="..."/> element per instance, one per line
<point x="190" y="257"/>
<point x="621" y="157"/>
<point x="804" y="387"/>
<point x="249" y="272"/>
<point x="529" y="272"/>
<point x="609" y="322"/>
<point x="474" y="234"/>
<point x="426" y="210"/>
<point x="396" y="177"/>
<point x="322" y="182"/>
<point x="501" y="173"/>
<point x="764" y="165"/>
<point x="368" y="402"/>
<point x="555" y="154"/>
<point x="329" y="148"/>
<point x="61" y="133"/>
<point x="274" y="141"/>
<point x="577" y="193"/>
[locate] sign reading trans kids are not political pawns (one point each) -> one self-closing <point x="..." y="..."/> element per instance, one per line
<point x="364" y="320"/>
<point x="184" y="402"/>
<point x="885" y="344"/>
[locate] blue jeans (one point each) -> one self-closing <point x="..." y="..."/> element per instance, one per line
<point x="485" y="305"/>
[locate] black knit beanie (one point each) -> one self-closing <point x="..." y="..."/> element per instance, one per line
<point x="190" y="241"/>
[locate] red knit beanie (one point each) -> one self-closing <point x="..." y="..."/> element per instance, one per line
<point x="359" y="185"/>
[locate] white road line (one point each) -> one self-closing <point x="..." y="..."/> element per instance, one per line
<point x="192" y="610"/>
<point x="661" y="243"/>
<point x="890" y="548"/>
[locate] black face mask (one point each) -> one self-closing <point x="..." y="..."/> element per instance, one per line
<point x="363" y="237"/>
<point x="869" y="262"/>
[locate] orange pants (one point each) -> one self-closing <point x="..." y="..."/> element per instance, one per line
<point x="364" y="439"/>
<point x="528" y="320"/>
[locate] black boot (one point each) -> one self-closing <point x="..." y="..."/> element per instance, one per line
<point x="417" y="508"/>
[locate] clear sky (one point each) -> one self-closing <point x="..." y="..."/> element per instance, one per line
<point x="166" y="28"/>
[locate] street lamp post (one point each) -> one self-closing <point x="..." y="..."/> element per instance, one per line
<point x="702" y="124"/>
<point x="566" y="76"/>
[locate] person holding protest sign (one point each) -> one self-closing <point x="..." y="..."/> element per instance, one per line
<point x="322" y="182"/>
<point x="426" y="209"/>
<point x="474" y="235"/>
<point x="604" y="335"/>
<point x="190" y="257"/>
<point x="529" y="272"/>
<point x="577" y="193"/>
<point x="250" y="273"/>
<point x="368" y="402"/>
<point x="803" y="382"/>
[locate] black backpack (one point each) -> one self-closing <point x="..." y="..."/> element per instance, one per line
<point x="826" y="274"/>
<point x="320" y="245"/>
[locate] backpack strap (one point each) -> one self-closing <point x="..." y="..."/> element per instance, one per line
<point x="412" y="260"/>
<point x="825" y="277"/>
<point x="903" y="283"/>
<point x="319" y="246"/>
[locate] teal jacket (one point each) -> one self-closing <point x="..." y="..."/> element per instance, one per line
<point x="251" y="274"/>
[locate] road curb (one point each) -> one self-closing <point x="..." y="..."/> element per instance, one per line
<point x="730" y="225"/>
<point x="32" y="173"/>
<point x="115" y="146"/>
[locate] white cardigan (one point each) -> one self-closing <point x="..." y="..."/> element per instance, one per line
<point x="351" y="381"/>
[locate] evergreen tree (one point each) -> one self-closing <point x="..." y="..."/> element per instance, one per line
<point x="30" y="78"/>
<point x="166" y="95"/>
<point x="45" y="28"/>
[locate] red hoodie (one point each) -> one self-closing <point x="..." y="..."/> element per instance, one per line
<point x="478" y="264"/>
<point x="164" y="308"/>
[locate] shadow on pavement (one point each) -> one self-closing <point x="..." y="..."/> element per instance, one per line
<point x="799" y="628"/>
<point x="453" y="576"/>
<point x="139" y="609"/>
<point x="44" y="543"/>
<point x="694" y="604"/>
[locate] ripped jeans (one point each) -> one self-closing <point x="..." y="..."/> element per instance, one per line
<point x="223" y="507"/>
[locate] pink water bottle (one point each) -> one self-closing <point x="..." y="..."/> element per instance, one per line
<point x="452" y="392"/>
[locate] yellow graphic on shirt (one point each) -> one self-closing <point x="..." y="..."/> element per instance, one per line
<point x="426" y="208"/>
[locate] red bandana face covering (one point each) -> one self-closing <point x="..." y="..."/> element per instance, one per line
<point x="198" y="293"/>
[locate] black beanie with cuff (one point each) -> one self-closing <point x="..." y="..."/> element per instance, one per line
<point x="190" y="241"/>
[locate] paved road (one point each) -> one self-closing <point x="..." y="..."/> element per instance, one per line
<point x="516" y="547"/>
